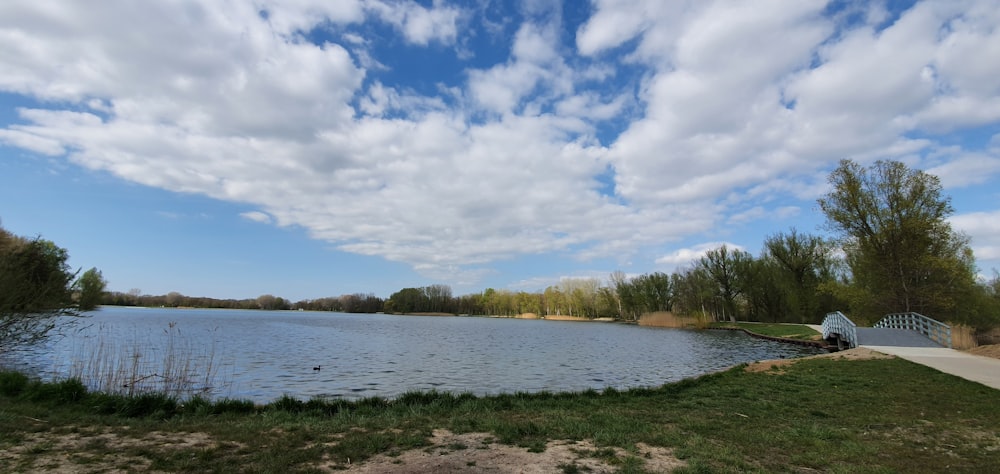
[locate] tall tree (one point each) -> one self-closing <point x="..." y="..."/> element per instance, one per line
<point x="622" y="294"/>
<point x="902" y="253"/>
<point x="729" y="270"/>
<point x="92" y="286"/>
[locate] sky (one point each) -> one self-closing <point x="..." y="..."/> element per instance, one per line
<point x="312" y="148"/>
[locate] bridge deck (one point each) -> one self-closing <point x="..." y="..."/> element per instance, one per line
<point x="893" y="337"/>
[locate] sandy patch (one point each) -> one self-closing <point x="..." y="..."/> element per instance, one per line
<point x="774" y="366"/>
<point x="526" y="316"/>
<point x="992" y="350"/>
<point x="563" y="317"/>
<point x="479" y="452"/>
<point x="69" y="453"/>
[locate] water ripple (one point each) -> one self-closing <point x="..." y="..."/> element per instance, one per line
<point x="268" y="354"/>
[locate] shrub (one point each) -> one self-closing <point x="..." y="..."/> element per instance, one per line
<point x="12" y="383"/>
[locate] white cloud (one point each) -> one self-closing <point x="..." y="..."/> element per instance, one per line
<point x="984" y="229"/>
<point x="758" y="213"/>
<point x="419" y="25"/>
<point x="617" y="21"/>
<point x="535" y="68"/>
<point x="686" y="256"/>
<point x="29" y="141"/>
<point x="967" y="169"/>
<point x="287" y="17"/>
<point x="728" y="110"/>
<point x="257" y="216"/>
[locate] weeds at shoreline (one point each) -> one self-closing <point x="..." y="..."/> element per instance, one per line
<point x="170" y="366"/>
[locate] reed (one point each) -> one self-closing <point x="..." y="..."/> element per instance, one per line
<point x="963" y="337"/>
<point x="168" y="365"/>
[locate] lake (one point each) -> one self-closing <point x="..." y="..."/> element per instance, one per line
<point x="262" y="355"/>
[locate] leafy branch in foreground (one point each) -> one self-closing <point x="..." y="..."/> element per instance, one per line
<point x="35" y="289"/>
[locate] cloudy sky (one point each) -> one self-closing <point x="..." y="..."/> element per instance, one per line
<point x="309" y="148"/>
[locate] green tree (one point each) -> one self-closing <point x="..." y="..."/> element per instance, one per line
<point x="271" y="303"/>
<point x="35" y="289"/>
<point x="729" y="270"/>
<point x="653" y="292"/>
<point x="407" y="300"/>
<point x="797" y="265"/>
<point x="92" y="285"/>
<point x="694" y="292"/>
<point x="767" y="297"/>
<point x="901" y="251"/>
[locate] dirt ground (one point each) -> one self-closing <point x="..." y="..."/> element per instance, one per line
<point x="448" y="453"/>
<point x="992" y="350"/>
<point x="479" y="452"/>
<point x="68" y="454"/>
<point x="860" y="353"/>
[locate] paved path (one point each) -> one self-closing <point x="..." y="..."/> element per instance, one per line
<point x="985" y="370"/>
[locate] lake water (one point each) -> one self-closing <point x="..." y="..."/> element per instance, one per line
<point x="261" y="356"/>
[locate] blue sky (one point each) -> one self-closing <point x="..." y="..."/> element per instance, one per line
<point x="317" y="148"/>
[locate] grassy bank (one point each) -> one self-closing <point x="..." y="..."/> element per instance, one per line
<point x="818" y="414"/>
<point x="789" y="331"/>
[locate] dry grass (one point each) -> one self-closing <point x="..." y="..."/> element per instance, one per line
<point x="667" y="319"/>
<point x="563" y="317"/>
<point x="992" y="350"/>
<point x="963" y="337"/>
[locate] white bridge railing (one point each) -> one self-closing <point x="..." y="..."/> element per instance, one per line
<point x="937" y="331"/>
<point x="842" y="327"/>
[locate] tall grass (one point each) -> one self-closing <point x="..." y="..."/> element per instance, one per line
<point x="963" y="337"/>
<point x="169" y="365"/>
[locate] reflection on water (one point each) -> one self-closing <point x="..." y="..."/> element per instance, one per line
<point x="263" y="355"/>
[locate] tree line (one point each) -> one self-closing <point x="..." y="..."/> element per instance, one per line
<point x="891" y="250"/>
<point x="352" y="303"/>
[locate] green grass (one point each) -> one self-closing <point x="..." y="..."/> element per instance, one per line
<point x="820" y="414"/>
<point x="790" y="331"/>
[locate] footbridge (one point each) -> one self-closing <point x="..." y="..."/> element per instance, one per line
<point x="916" y="338"/>
<point x="895" y="330"/>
